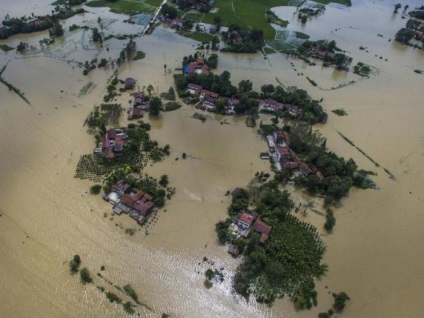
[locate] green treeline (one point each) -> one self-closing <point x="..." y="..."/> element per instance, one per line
<point x="25" y="25"/>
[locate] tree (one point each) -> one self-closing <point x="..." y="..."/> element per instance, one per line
<point x="217" y="20"/>
<point x="267" y="90"/>
<point x="74" y="264"/>
<point x="163" y="180"/>
<point x="215" y="42"/>
<point x="56" y="30"/>
<point x="340" y="301"/>
<point x="397" y="7"/>
<point x="220" y="105"/>
<point x="85" y="276"/>
<point x="96" y="36"/>
<point x="150" y="89"/>
<point x="21" y="47"/>
<point x="330" y="220"/>
<point x="245" y="86"/>
<point x="404" y="35"/>
<point x="155" y="106"/>
<point x="95" y="189"/>
<point x="405" y="8"/>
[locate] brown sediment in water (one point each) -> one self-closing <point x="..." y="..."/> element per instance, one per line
<point x="375" y="254"/>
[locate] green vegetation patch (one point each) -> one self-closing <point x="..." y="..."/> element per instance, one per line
<point x="249" y="14"/>
<point x="172" y="106"/>
<point x="301" y="35"/>
<point x="362" y="69"/>
<point x="123" y="6"/>
<point x="6" y="48"/>
<point x="154" y="3"/>
<point x="339" y="112"/>
<point x="288" y="261"/>
<point x="130" y="292"/>
<point x="139" y="55"/>
<point x="269" y="50"/>
<point x="197" y="36"/>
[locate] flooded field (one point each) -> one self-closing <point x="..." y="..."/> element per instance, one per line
<point x="375" y="255"/>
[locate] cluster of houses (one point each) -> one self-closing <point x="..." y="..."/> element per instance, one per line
<point x="209" y="99"/>
<point x="271" y="105"/>
<point x="319" y="53"/>
<point x="138" y="106"/>
<point x="243" y="224"/>
<point x="126" y="199"/>
<point x="113" y="144"/>
<point x="285" y="158"/>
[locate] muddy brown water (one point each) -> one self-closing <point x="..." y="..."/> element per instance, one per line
<point x="375" y="253"/>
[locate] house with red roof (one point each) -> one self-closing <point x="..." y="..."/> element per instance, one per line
<point x="194" y="88"/>
<point x="270" y="105"/>
<point x="132" y="197"/>
<point x="263" y="228"/>
<point x="245" y="220"/>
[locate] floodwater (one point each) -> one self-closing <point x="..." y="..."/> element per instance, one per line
<point x="375" y="254"/>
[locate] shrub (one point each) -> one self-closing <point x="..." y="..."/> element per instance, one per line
<point x="340" y="301"/>
<point x="95" y="189"/>
<point x="74" y="264"/>
<point x="128" y="307"/>
<point x="85" y="276"/>
<point x="113" y="298"/>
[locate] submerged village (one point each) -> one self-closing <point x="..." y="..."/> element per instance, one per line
<point x="279" y="254"/>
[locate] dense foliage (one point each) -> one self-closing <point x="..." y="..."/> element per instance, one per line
<point x="340" y="174"/>
<point x="239" y="40"/>
<point x="332" y="54"/>
<point x="404" y="35"/>
<point x="287" y="262"/>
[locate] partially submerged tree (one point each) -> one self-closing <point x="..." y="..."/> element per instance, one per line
<point x="155" y="106"/>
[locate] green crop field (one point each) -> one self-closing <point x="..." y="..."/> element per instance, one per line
<point x="125" y="6"/>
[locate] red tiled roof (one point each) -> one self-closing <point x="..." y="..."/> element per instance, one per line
<point x="205" y="92"/>
<point x="131" y="198"/>
<point x="147" y="197"/>
<point x="305" y="169"/>
<point x="246" y="218"/>
<point x="179" y="20"/>
<point x="262" y="227"/>
<point x="143" y="206"/>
